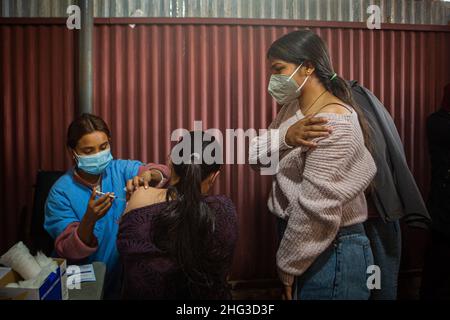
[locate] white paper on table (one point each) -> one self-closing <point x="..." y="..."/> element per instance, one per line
<point x="77" y="274"/>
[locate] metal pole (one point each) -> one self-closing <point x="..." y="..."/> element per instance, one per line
<point x="85" y="56"/>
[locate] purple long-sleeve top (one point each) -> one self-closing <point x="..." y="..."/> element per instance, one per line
<point x="150" y="273"/>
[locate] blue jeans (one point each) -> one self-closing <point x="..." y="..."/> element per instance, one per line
<point x="340" y="272"/>
<point x="385" y="240"/>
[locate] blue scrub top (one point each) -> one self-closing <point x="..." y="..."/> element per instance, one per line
<point x="68" y="200"/>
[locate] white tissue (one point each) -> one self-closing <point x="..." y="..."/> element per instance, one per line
<point x="34" y="270"/>
<point x="48" y="266"/>
<point x="20" y="259"/>
<point x="45" y="261"/>
<point x="38" y="281"/>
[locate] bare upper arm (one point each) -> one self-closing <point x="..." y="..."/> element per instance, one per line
<point x="144" y="197"/>
<point x="336" y="108"/>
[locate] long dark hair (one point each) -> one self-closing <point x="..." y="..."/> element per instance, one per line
<point x="183" y="228"/>
<point x="304" y="46"/>
<point x="84" y="124"/>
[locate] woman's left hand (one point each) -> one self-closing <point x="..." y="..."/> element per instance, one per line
<point x="143" y="180"/>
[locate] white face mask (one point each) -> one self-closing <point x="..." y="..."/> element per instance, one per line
<point x="284" y="88"/>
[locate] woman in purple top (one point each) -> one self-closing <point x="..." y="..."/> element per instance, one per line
<point x="178" y="243"/>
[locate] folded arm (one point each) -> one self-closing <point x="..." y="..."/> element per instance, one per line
<point x="337" y="171"/>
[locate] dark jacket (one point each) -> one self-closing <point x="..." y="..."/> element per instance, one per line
<point x="395" y="193"/>
<point x="438" y="133"/>
<point x="150" y="273"/>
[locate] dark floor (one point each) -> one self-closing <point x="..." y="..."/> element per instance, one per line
<point x="269" y="289"/>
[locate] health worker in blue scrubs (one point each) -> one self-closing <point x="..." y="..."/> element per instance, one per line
<point x="84" y="206"/>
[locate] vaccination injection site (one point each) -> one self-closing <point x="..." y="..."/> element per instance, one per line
<point x="226" y="158"/>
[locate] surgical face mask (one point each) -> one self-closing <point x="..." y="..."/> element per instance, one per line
<point x="283" y="88"/>
<point x="94" y="164"/>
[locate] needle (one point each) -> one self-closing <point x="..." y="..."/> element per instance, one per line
<point x="111" y="196"/>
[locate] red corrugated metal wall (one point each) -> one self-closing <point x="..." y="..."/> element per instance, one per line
<point x="164" y="74"/>
<point x="37" y="103"/>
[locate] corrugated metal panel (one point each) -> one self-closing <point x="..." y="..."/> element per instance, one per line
<point x="37" y="104"/>
<point x="393" y="11"/>
<point x="155" y="78"/>
<point x="152" y="80"/>
<point x="35" y="8"/>
<point x="161" y="76"/>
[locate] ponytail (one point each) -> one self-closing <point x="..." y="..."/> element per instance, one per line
<point x="181" y="229"/>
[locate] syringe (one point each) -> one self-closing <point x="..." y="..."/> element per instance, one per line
<point x="111" y="195"/>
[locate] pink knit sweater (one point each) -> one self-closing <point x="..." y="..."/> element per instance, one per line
<point x="319" y="190"/>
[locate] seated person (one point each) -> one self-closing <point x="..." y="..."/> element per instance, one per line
<point x="178" y="243"/>
<point x="81" y="211"/>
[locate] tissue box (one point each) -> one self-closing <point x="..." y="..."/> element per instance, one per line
<point x="53" y="288"/>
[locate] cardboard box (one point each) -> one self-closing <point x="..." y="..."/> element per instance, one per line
<point x="53" y="288"/>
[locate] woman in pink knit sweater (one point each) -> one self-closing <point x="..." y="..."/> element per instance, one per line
<point x="318" y="188"/>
